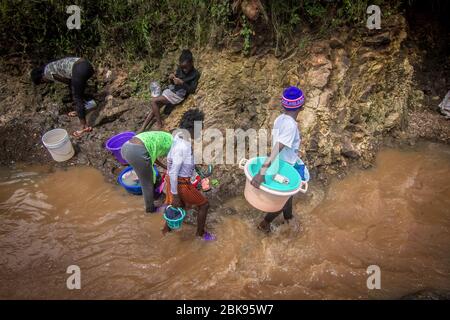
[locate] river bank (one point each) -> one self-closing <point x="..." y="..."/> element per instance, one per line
<point x="362" y="92"/>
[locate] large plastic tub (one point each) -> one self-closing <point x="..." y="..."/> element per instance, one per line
<point x="114" y="144"/>
<point x="135" y="189"/>
<point x="271" y="196"/>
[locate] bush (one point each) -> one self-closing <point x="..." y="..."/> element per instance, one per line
<point x="135" y="29"/>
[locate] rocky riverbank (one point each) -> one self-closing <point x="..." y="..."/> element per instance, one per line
<point x="361" y="88"/>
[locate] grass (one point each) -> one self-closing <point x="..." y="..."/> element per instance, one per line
<point x="137" y="29"/>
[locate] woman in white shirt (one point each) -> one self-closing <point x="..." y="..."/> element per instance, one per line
<point x="180" y="166"/>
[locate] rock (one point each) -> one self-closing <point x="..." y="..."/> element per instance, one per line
<point x="416" y="99"/>
<point x="318" y="78"/>
<point x="108" y="75"/>
<point x="378" y="39"/>
<point x="251" y="9"/>
<point x="436" y="98"/>
<point x="348" y="150"/>
<point x="336" y="43"/>
<point x="229" y="211"/>
<point x="112" y="110"/>
<point x="392" y="120"/>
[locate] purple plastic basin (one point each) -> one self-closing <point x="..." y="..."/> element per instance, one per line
<point x="114" y="144"/>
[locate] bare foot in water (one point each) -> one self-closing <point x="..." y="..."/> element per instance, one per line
<point x="264" y="226"/>
<point x="165" y="229"/>
<point x="293" y="224"/>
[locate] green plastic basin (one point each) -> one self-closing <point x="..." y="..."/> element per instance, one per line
<point x="280" y="167"/>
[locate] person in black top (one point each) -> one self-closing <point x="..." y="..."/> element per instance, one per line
<point x="183" y="83"/>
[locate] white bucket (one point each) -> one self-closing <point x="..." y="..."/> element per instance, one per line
<point x="58" y="144"/>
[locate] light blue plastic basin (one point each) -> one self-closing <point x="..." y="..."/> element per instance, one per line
<point x="281" y="167"/>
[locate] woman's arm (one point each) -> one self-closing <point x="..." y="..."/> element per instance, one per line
<point x="259" y="178"/>
<point x="190" y="83"/>
<point x="61" y="79"/>
<point x="176" y="162"/>
<point x="162" y="165"/>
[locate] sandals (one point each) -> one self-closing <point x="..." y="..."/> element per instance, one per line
<point x="208" y="236"/>
<point x="79" y="133"/>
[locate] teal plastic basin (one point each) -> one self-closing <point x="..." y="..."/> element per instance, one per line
<point x="281" y="167"/>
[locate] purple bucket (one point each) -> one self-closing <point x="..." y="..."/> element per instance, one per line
<point x="114" y="144"/>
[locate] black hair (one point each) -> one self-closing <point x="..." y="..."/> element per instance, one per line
<point x="36" y="74"/>
<point x="189" y="117"/>
<point x="186" y="55"/>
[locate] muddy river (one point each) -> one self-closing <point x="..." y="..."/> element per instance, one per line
<point x="395" y="216"/>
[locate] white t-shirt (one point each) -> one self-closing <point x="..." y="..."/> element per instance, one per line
<point x="285" y="131"/>
<point x="180" y="161"/>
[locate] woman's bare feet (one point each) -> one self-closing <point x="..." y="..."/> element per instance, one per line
<point x="79" y="133"/>
<point x="264" y="226"/>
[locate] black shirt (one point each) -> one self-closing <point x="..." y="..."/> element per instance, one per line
<point x="190" y="80"/>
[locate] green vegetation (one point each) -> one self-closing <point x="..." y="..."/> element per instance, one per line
<point x="136" y="29"/>
<point x="246" y="33"/>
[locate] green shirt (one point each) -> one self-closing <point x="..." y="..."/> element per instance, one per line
<point x="157" y="143"/>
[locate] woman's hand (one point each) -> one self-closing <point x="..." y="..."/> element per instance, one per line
<point x="178" y="81"/>
<point x="162" y="165"/>
<point x="176" y="202"/>
<point x="258" y="180"/>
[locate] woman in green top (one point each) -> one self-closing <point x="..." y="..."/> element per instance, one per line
<point x="141" y="152"/>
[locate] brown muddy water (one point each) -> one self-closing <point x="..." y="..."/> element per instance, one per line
<point x="396" y="216"/>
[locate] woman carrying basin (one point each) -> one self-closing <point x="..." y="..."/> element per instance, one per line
<point x="286" y="145"/>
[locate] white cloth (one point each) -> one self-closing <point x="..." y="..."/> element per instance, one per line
<point x="445" y="106"/>
<point x="180" y="161"/>
<point x="285" y="131"/>
<point x="172" y="96"/>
